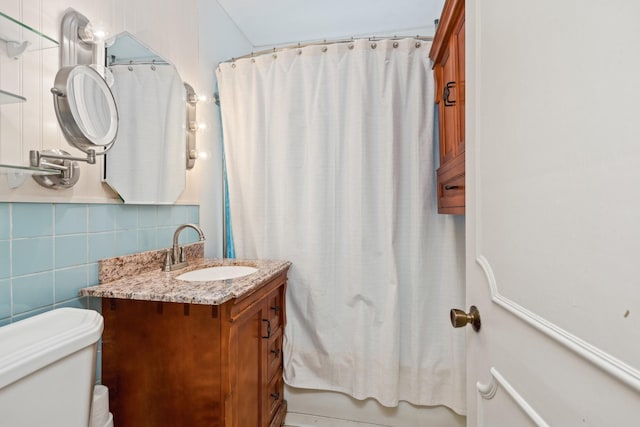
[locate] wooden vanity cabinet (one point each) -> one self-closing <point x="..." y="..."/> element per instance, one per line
<point x="448" y="56"/>
<point x="174" y="364"/>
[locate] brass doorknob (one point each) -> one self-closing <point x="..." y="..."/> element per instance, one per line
<point x="460" y="319"/>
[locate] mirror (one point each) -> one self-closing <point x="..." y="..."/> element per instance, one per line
<point x="147" y="164"/>
<point x="85" y="107"/>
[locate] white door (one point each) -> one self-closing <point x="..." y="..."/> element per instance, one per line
<point x="553" y="212"/>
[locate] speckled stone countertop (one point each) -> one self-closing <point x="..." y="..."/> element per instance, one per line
<point x="157" y="285"/>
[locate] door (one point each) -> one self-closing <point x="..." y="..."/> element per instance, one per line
<point x="553" y="212"/>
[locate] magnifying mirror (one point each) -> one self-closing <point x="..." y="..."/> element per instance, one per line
<point x="84" y="105"/>
<point x="85" y="108"/>
<point x="88" y="116"/>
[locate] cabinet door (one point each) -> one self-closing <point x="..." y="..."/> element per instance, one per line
<point x="450" y="87"/>
<point x="273" y="386"/>
<point x="161" y="362"/>
<point x="446" y="85"/>
<point x="246" y="359"/>
<point x="458" y="39"/>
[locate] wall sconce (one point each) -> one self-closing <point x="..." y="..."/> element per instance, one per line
<point x="192" y="126"/>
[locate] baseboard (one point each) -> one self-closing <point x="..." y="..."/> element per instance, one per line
<point x="304" y="420"/>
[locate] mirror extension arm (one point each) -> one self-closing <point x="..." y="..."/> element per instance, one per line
<point x="35" y="157"/>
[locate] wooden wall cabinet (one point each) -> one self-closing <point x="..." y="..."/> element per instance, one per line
<point x="447" y="53"/>
<point x="173" y="364"/>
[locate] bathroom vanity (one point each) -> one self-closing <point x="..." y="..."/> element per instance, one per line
<point x="182" y="353"/>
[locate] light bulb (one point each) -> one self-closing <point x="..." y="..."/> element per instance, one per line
<point x="196" y="154"/>
<point x="100" y="34"/>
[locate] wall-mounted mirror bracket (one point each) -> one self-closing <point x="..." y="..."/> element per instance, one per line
<point x="192" y="126"/>
<point x="59" y="160"/>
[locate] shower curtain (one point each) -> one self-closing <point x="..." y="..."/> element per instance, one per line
<point x="330" y="163"/>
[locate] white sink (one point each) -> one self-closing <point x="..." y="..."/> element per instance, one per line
<point x="222" y="272"/>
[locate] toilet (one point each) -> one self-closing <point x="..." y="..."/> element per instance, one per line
<point x="47" y="369"/>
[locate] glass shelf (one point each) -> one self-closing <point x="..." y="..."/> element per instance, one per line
<point x="12" y="30"/>
<point x="10" y="98"/>
<point x="27" y="170"/>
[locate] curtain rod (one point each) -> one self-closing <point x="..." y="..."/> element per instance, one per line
<point x="112" y="60"/>
<point x="324" y="42"/>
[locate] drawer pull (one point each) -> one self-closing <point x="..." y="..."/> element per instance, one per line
<point x="451" y="187"/>
<point x="275" y="308"/>
<point x="447" y="91"/>
<point x="276" y="352"/>
<point x="275" y="396"/>
<point x="268" y="329"/>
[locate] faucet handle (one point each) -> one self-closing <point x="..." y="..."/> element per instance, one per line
<point x="167" y="260"/>
<point x="183" y="255"/>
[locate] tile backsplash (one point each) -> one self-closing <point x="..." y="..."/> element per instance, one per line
<point x="49" y="251"/>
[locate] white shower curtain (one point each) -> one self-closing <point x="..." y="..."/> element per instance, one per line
<point x="330" y="164"/>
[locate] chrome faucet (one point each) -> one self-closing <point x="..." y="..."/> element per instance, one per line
<point x="175" y="257"/>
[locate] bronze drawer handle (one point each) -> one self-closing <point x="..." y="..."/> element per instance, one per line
<point x="276" y="396"/>
<point x="275" y="308"/>
<point x="276" y="352"/>
<point x="447" y="91"/>
<point x="268" y="328"/>
<point x="451" y="187"/>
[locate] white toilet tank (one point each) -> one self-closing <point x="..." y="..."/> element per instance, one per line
<point x="47" y="369"/>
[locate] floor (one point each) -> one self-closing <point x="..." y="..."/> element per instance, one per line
<point x="303" y="420"/>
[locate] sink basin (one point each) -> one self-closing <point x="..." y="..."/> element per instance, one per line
<point x="222" y="272"/>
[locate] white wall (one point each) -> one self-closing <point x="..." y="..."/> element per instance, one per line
<point x="274" y="23"/>
<point x="220" y="40"/>
<point x="168" y="26"/>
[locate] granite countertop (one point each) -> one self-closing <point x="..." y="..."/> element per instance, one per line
<point x="157" y="285"/>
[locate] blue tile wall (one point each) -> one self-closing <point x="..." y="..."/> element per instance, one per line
<point x="4" y="221"/>
<point x="32" y="292"/>
<point x="31" y="220"/>
<point x="5" y="299"/>
<point x="49" y="251"/>
<point x="5" y="259"/>
<point x="102" y="218"/>
<point x="32" y="255"/>
<point x="71" y="250"/>
<point x="70" y="219"/>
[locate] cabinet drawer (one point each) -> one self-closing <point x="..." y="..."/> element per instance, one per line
<point x="274" y="357"/>
<point x="451" y="187"/>
<point x="276" y="308"/>
<point x="451" y="193"/>
<point x="275" y="393"/>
